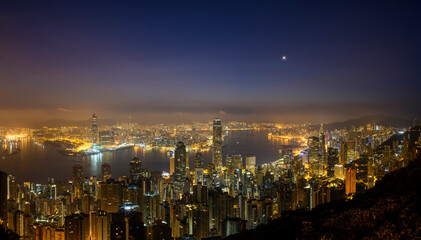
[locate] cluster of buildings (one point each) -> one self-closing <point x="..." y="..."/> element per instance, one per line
<point x="210" y="201"/>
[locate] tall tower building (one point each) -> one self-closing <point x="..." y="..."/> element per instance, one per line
<point x="332" y="159"/>
<point x="251" y="164"/>
<point x="350" y="181"/>
<point x="180" y="162"/>
<point x="217" y="145"/>
<point x="322" y="144"/>
<point x="76" y="227"/>
<point x="314" y="156"/>
<point x="198" y="167"/>
<point x="111" y="196"/>
<point x="3" y="198"/>
<point x="105" y="171"/>
<point x="135" y="169"/>
<point x="94" y="129"/>
<point x="172" y="165"/>
<point x="77" y="180"/>
<point x="343" y="153"/>
<point x="313" y="149"/>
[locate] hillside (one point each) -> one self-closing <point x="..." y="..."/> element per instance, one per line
<point x="371" y="119"/>
<point x="390" y="210"/>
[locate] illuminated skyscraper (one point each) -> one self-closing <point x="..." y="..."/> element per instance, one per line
<point x="343" y="153"/>
<point x="94" y="129"/>
<point x="106" y="138"/>
<point x="314" y="156"/>
<point x="106" y="171"/>
<point x="217" y="145"/>
<point x="77" y="180"/>
<point x="135" y="169"/>
<point x="77" y="227"/>
<point x="350" y="181"/>
<point x="332" y="159"/>
<point x="180" y="161"/>
<point x="313" y="149"/>
<point x="322" y="145"/>
<point x="234" y="162"/>
<point x="198" y="167"/>
<point x="251" y="164"/>
<point x="3" y="198"/>
<point x="339" y="171"/>
<point x="111" y="196"/>
<point x="172" y="165"/>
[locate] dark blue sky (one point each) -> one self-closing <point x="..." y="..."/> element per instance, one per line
<point x="193" y="60"/>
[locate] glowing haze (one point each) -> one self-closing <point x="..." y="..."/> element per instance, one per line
<point x="194" y="60"/>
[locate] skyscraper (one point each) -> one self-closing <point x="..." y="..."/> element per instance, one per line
<point x="332" y="159"/>
<point x="343" y="153"/>
<point x="135" y="169"/>
<point x="77" y="227"/>
<point x="313" y="149"/>
<point x="111" y="196"/>
<point x="217" y="145"/>
<point x="251" y="163"/>
<point x="94" y="129"/>
<point x="180" y="161"/>
<point x="314" y="156"/>
<point x="198" y="167"/>
<point x="322" y="145"/>
<point x="172" y="165"/>
<point x="3" y="198"/>
<point x="350" y="181"/>
<point x="77" y="180"/>
<point x="105" y="171"/>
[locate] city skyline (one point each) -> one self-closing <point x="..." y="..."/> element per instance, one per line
<point x="210" y="120"/>
<point x="274" y="61"/>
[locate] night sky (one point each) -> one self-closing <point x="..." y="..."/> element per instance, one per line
<point x="194" y="60"/>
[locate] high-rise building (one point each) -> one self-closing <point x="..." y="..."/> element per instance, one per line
<point x="77" y="180"/>
<point x="111" y="196"/>
<point x="322" y="143"/>
<point x="106" y="138"/>
<point x="76" y="226"/>
<point x="180" y="162"/>
<point x="217" y="145"/>
<point x="332" y="159"/>
<point x="172" y="165"/>
<point x="343" y="153"/>
<point x="234" y="162"/>
<point x="3" y="198"/>
<point x="94" y="129"/>
<point x="135" y="169"/>
<point x="350" y="181"/>
<point x="314" y="157"/>
<point x="100" y="225"/>
<point x="127" y="225"/>
<point x="313" y="149"/>
<point x="198" y="167"/>
<point x="159" y="231"/>
<point x="339" y="171"/>
<point x="105" y="172"/>
<point x="251" y="164"/>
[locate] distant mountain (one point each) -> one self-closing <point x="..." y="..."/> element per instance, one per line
<point x="66" y="123"/>
<point x="390" y="210"/>
<point x="371" y="119"/>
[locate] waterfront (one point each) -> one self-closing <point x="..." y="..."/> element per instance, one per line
<point x="36" y="164"/>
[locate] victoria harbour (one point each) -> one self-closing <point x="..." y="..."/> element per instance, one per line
<point x="36" y="163"/>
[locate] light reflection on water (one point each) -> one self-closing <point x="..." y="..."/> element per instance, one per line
<point x="34" y="163"/>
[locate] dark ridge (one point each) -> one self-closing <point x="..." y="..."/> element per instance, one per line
<point x="371" y="119"/>
<point x="390" y="210"/>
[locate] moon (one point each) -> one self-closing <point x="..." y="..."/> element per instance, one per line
<point x="284" y="58"/>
